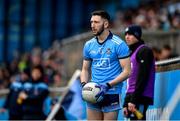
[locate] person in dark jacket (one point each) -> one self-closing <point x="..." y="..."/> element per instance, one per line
<point x="34" y="95"/>
<point x="11" y="103"/>
<point x="140" y="85"/>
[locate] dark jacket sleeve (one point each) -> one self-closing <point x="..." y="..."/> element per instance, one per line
<point x="41" y="96"/>
<point x="37" y="97"/>
<point x="145" y="58"/>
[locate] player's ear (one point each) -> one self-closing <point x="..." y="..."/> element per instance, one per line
<point x="106" y="24"/>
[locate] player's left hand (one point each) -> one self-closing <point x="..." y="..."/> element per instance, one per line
<point x="103" y="89"/>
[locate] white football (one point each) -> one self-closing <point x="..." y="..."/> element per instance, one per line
<point x="89" y="92"/>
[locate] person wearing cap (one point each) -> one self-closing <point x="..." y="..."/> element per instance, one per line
<point x="140" y="84"/>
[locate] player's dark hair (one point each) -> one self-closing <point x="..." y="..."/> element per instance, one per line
<point x="101" y="13"/>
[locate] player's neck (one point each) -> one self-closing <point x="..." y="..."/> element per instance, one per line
<point x="103" y="36"/>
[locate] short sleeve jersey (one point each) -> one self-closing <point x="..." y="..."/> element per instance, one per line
<point x="104" y="59"/>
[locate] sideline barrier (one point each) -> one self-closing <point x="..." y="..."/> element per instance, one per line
<point x="165" y="85"/>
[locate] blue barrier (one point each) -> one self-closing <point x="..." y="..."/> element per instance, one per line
<point x="165" y="85"/>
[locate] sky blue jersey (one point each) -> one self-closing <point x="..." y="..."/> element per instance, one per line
<point x="104" y="59"/>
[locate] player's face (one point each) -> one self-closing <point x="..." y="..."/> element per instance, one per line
<point x="97" y="25"/>
<point x="130" y="39"/>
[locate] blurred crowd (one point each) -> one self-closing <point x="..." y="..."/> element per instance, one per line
<point x="157" y="16"/>
<point x="51" y="61"/>
<point x="28" y="77"/>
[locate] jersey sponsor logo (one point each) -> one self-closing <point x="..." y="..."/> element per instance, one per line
<point x="102" y="63"/>
<point x="93" y="52"/>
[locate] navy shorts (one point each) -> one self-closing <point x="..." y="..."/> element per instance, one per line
<point x="110" y="103"/>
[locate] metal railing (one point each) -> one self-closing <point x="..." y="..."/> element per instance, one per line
<point x="168" y="61"/>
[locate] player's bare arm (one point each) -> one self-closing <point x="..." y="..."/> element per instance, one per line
<point x="126" y="67"/>
<point x="85" y="71"/>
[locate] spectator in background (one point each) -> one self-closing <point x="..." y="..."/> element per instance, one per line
<point x="176" y="20"/>
<point x="57" y="82"/>
<point x="36" y="57"/>
<point x="34" y="95"/>
<point x="24" y="61"/>
<point x="141" y="18"/>
<point x="4" y="77"/>
<point x="156" y="53"/>
<point x="140" y="85"/>
<point x="13" y="67"/>
<point x="11" y="104"/>
<point x="166" y="53"/>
